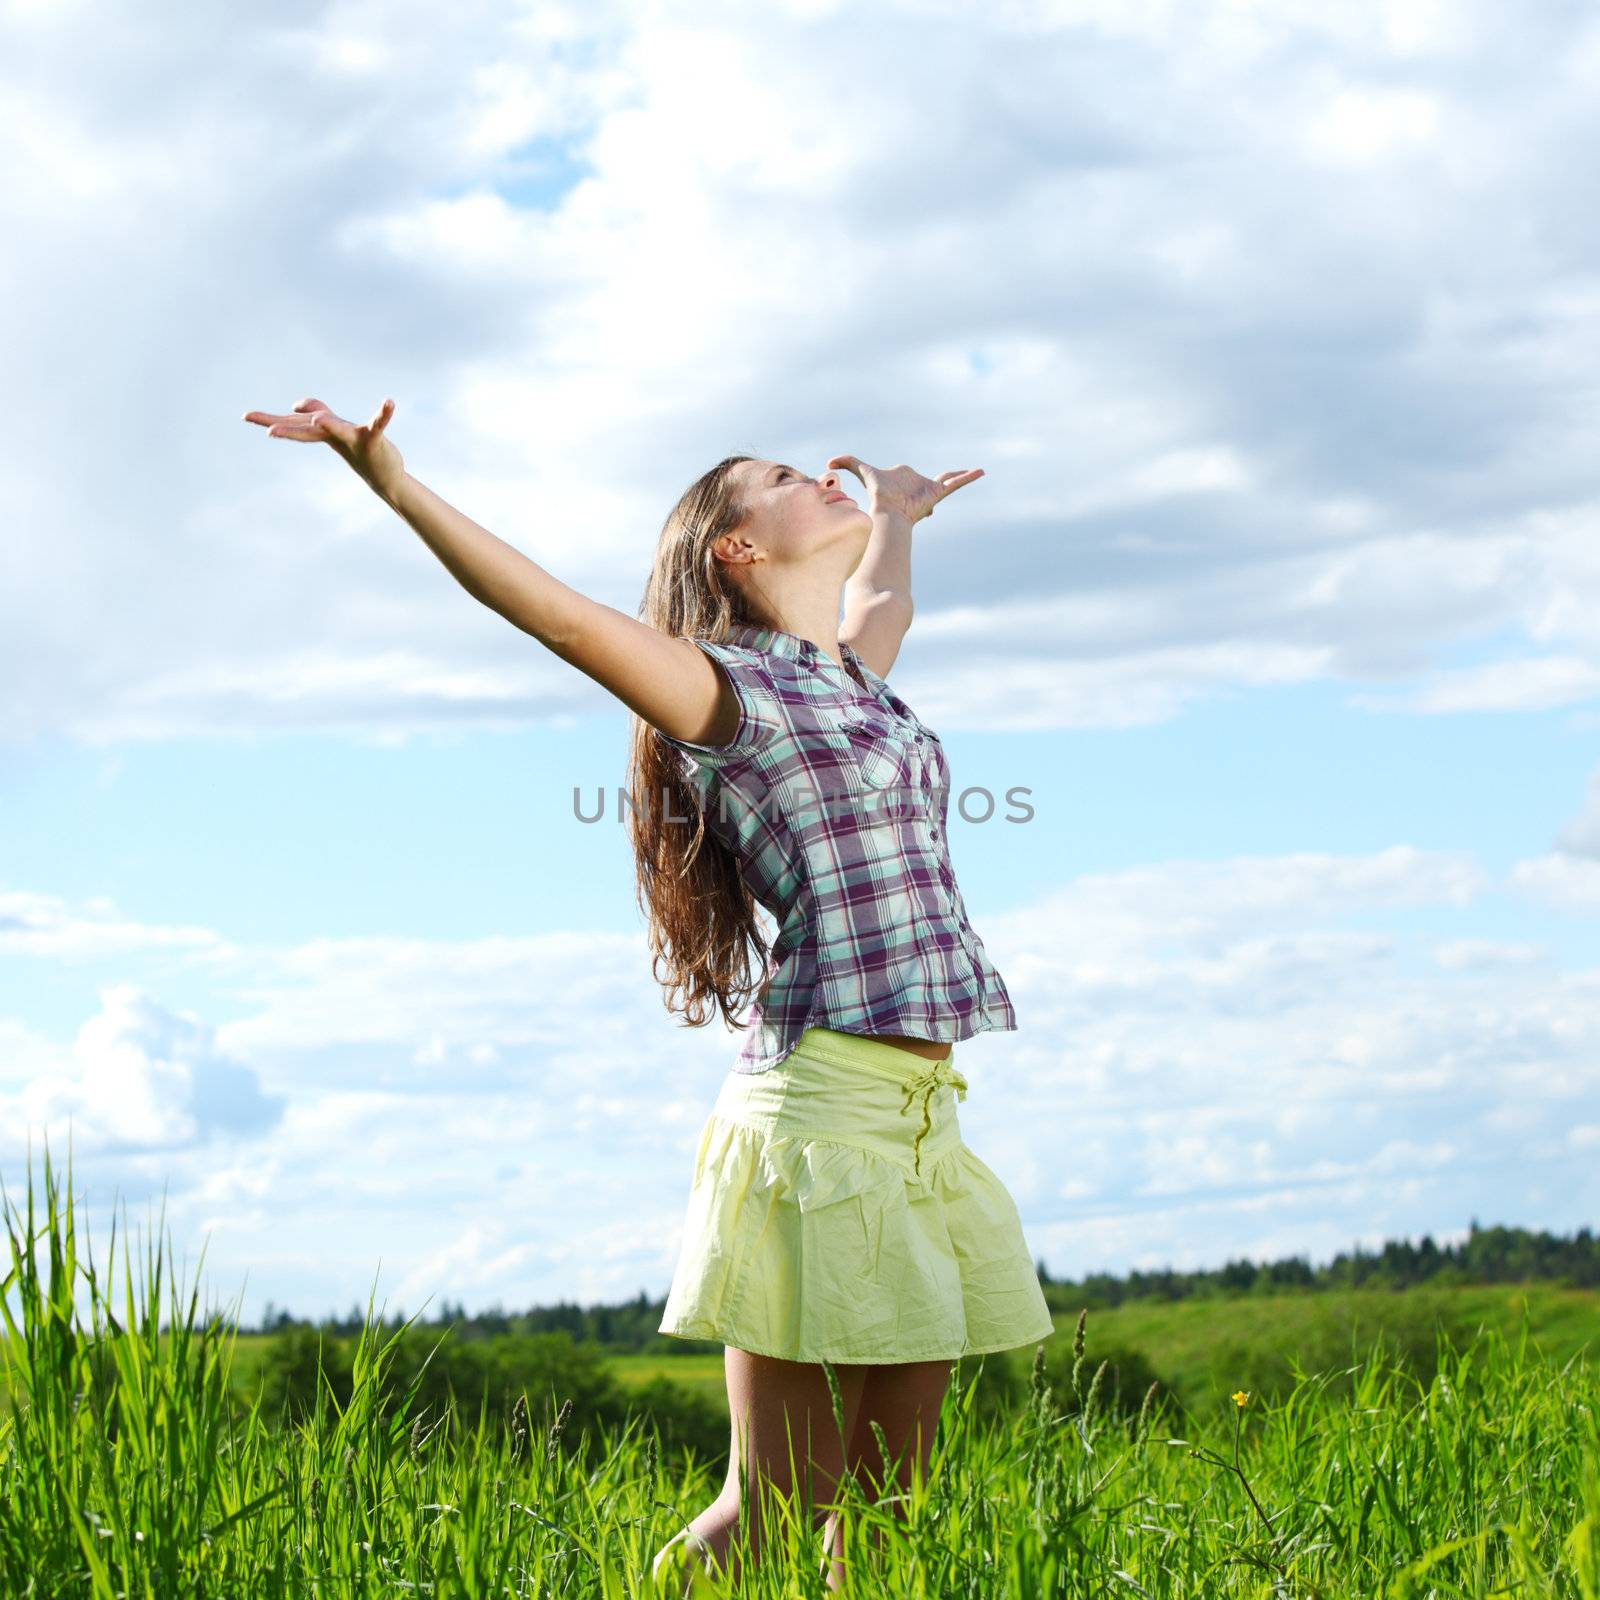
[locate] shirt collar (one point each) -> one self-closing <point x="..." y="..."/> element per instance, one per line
<point x="792" y="645"/>
<point x="864" y="681"/>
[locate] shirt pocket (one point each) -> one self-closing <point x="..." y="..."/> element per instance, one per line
<point x="877" y="746"/>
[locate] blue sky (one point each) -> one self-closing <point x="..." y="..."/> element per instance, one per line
<point x="1274" y="332"/>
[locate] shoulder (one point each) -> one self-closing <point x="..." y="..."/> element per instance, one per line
<point x="774" y="670"/>
<point x="745" y="659"/>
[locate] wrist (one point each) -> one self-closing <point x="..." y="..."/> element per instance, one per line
<point x="392" y="492"/>
<point x="894" y="516"/>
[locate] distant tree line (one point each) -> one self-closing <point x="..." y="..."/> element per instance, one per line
<point x="1486" y="1255"/>
<point x="630" y="1325"/>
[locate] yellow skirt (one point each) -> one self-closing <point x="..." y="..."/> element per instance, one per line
<point x="835" y="1214"/>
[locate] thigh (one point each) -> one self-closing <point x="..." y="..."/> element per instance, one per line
<point x="903" y="1398"/>
<point x="773" y="1402"/>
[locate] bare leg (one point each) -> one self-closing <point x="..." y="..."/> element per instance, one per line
<point x="771" y="1402"/>
<point x="903" y="1398"/>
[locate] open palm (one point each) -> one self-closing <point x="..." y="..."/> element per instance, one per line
<point x="902" y="488"/>
<point x="363" y="444"/>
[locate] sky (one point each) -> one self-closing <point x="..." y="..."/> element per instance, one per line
<point x="1275" y="329"/>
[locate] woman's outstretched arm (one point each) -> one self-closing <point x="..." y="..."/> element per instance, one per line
<point x="668" y="682"/>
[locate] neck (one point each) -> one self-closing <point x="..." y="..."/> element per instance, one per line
<point x="818" y="624"/>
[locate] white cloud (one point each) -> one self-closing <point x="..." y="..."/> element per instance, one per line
<point x="1359" y="124"/>
<point x="1581" y="837"/>
<point x="1558" y="882"/>
<point x="1296" y="421"/>
<point x="1461" y="953"/>
<point x="139" y="1077"/>
<point x="1535" y="684"/>
<point x="36" y="924"/>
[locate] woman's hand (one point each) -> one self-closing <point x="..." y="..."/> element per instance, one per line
<point x="363" y="445"/>
<point x="903" y="490"/>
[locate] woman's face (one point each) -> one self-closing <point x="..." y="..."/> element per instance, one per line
<point x="792" y="518"/>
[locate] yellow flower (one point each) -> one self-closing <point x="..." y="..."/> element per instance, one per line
<point x="1241" y="1397"/>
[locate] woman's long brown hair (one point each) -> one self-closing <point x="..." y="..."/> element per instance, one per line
<point x="701" y="918"/>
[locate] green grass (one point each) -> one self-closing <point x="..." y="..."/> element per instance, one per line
<point x="130" y="1469"/>
<point x="701" y="1373"/>
<point x="1201" y="1349"/>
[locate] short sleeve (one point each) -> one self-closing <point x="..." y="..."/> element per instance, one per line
<point x="760" y="709"/>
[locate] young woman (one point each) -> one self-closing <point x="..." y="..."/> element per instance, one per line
<point x="835" y="1213"/>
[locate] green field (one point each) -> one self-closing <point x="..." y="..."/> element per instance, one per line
<point x="1372" y="1444"/>
<point x="1203" y="1350"/>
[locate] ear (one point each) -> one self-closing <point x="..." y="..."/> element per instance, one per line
<point x="735" y="549"/>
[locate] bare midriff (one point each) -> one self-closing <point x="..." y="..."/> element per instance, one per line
<point x="928" y="1049"/>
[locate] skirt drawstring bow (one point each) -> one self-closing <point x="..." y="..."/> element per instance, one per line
<point x="927" y="1084"/>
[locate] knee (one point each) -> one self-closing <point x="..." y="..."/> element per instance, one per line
<point x="723" y="1512"/>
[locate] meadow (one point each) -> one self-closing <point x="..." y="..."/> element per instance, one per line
<point x="142" y="1455"/>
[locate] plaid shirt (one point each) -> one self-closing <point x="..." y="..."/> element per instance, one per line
<point x="833" y="797"/>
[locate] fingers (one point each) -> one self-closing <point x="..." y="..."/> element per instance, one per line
<point x="301" y="416"/>
<point x="293" y="426"/>
<point x="947" y="480"/>
<point x="314" y="419"/>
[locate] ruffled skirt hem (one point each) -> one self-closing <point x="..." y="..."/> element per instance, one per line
<point x="811" y="1248"/>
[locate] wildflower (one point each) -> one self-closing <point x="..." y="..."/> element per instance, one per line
<point x="1240" y="1398"/>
